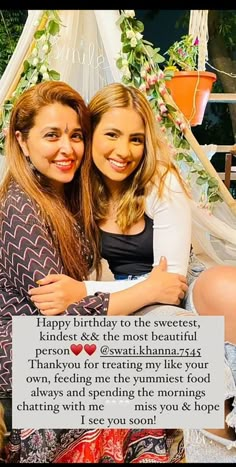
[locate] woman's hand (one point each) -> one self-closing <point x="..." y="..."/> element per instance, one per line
<point x="167" y="287"/>
<point x="56" y="292"/>
<point x="159" y="287"/>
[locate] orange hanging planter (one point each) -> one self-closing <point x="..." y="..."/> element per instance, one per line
<point x="190" y="91"/>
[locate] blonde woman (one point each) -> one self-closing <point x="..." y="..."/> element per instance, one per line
<point x="138" y="197"/>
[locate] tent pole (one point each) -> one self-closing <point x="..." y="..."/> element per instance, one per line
<point x="226" y="195"/>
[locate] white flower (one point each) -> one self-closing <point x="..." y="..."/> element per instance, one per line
<point x="43" y="38"/>
<point x="152" y="79"/>
<point x="130" y="34"/>
<point x="5" y="131"/>
<point x="133" y="42"/>
<point x="158" y="117"/>
<point x="129" y="13"/>
<point x="138" y="36"/>
<point x="45" y="76"/>
<point x="124" y="62"/>
<point x="142" y="87"/>
<point x="45" y="48"/>
<point x="162" y="89"/>
<point x="163" y="109"/>
<point x="43" y="69"/>
<point x="34" y="79"/>
<point x="35" y="61"/>
<point x="126" y="72"/>
<point x="160" y="101"/>
<point x="160" y="75"/>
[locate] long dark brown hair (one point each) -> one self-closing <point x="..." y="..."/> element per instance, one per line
<point x="3" y="428"/>
<point x="61" y="216"/>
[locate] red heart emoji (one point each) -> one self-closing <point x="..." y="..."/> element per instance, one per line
<point x="76" y="349"/>
<point x="90" y="349"/>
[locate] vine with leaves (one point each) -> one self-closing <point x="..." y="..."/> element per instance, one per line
<point x="35" y="67"/>
<point x="139" y="62"/>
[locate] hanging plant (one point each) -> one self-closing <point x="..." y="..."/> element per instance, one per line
<point x="139" y="62"/>
<point x="183" y="54"/>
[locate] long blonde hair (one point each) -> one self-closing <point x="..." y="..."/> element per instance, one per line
<point x="61" y="217"/>
<point x="153" y="168"/>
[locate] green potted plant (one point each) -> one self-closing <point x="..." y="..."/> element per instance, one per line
<point x="189" y="87"/>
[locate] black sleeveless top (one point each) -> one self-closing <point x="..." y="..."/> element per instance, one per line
<point x="129" y="254"/>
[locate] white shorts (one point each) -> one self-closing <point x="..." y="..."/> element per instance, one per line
<point x="188" y="300"/>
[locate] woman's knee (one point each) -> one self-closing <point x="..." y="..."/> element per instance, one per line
<point x="214" y="291"/>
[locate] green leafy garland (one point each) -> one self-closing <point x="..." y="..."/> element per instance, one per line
<point x="139" y="62"/>
<point x="35" y="68"/>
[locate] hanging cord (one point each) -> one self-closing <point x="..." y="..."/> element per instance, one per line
<point x="221" y="71"/>
<point x="193" y="112"/>
<point x="198" y="29"/>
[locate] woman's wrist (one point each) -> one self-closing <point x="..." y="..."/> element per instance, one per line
<point x="150" y="291"/>
<point x="81" y="291"/>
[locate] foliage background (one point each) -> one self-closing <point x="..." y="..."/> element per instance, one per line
<point x="11" y="25"/>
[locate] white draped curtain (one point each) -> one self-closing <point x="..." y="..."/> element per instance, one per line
<point x="85" y="52"/>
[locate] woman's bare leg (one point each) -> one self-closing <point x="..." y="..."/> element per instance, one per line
<point x="214" y="294"/>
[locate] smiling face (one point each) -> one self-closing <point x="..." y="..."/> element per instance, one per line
<point x="55" y="143"/>
<point x="118" y="144"/>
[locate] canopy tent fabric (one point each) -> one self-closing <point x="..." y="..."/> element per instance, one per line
<point x="85" y="52"/>
<point x="85" y="55"/>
